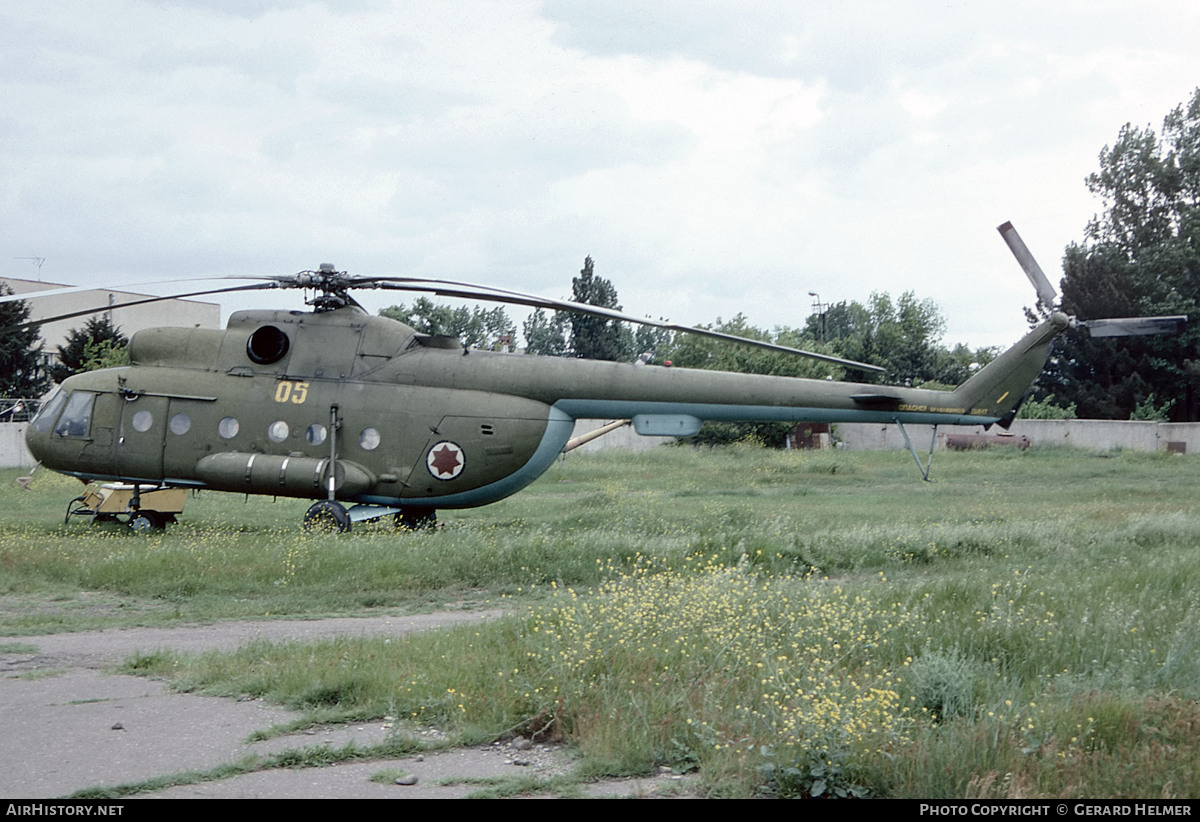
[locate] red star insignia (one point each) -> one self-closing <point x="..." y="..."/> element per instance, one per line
<point x="445" y="460"/>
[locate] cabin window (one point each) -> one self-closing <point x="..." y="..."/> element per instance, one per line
<point x="142" y="421"/>
<point x="315" y="434"/>
<point x="180" y="424"/>
<point x="49" y="410"/>
<point x="277" y="431"/>
<point x="77" y="416"/>
<point x="228" y="428"/>
<point x="369" y="439"/>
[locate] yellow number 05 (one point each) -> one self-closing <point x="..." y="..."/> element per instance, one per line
<point x="296" y="392"/>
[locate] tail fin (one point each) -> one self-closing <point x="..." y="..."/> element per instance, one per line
<point x="1000" y="385"/>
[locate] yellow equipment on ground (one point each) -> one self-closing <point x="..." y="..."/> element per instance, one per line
<point x="112" y="501"/>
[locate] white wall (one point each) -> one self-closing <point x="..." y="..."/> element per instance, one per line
<point x="1102" y="435"/>
<point x="12" y="446"/>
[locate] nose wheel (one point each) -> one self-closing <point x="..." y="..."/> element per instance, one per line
<point x="145" y="521"/>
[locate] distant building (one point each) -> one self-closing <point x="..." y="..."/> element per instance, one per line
<point x="129" y="319"/>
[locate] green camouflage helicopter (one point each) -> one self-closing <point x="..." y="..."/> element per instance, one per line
<point x="371" y="418"/>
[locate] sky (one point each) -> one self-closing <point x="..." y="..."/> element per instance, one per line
<point x="713" y="158"/>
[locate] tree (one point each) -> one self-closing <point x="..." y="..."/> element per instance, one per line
<point x="97" y="334"/>
<point x="901" y="335"/>
<point x="20" y="351"/>
<point x="657" y="341"/>
<point x="482" y="328"/>
<point x="952" y="367"/>
<point x="104" y="354"/>
<point x="546" y="335"/>
<point x="597" y="338"/>
<point x="695" y="351"/>
<point x="906" y="334"/>
<point x="1140" y="257"/>
<point x="844" y="322"/>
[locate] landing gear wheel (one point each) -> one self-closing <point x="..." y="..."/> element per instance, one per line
<point x="416" y="519"/>
<point x="145" y="521"/>
<point x="326" y="517"/>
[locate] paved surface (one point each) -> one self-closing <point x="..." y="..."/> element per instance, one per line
<point x="66" y="724"/>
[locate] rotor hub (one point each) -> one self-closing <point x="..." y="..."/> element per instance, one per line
<point x="332" y="287"/>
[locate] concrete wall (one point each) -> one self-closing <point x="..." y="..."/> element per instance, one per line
<point x="1102" y="435"/>
<point x="12" y="446"/>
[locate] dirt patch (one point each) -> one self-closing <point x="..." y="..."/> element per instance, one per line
<point x="31" y="612"/>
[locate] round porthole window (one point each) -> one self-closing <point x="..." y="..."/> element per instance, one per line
<point x="369" y="439"/>
<point x="277" y="431"/>
<point x="142" y="420"/>
<point x="181" y="424"/>
<point x="267" y="345"/>
<point x="228" y="428"/>
<point x="315" y="434"/>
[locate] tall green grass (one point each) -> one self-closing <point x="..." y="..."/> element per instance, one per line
<point x="791" y="623"/>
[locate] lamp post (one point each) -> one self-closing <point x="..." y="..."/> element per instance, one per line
<point x="820" y="308"/>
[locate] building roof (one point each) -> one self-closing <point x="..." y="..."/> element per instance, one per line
<point x="130" y="319"/>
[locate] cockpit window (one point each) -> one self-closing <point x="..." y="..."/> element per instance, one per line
<point x="49" y="410"/>
<point x="77" y="416"/>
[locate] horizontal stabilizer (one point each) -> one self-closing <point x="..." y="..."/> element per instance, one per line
<point x="876" y="400"/>
<point x="1135" y="326"/>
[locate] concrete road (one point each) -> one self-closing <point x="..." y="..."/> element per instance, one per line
<point x="67" y="724"/>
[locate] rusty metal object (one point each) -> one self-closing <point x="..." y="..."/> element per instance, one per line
<point x="965" y="442"/>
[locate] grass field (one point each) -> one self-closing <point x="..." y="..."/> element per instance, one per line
<point x="783" y="623"/>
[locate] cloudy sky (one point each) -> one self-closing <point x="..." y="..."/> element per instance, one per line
<point x="713" y="157"/>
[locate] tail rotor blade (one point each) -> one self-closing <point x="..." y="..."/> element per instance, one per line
<point x="1135" y="326"/>
<point x="1046" y="293"/>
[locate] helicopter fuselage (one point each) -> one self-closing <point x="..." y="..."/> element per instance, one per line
<point x="341" y="404"/>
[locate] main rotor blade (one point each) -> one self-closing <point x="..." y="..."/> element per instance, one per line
<point x="448" y="288"/>
<point x="339" y="282"/>
<point x="100" y="309"/>
<point x="1134" y="326"/>
<point x="75" y="289"/>
<point x="263" y="282"/>
<point x="1046" y="293"/>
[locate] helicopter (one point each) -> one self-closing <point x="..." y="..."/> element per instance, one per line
<point x="372" y="419"/>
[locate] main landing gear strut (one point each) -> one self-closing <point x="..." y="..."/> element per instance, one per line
<point x="331" y="517"/>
